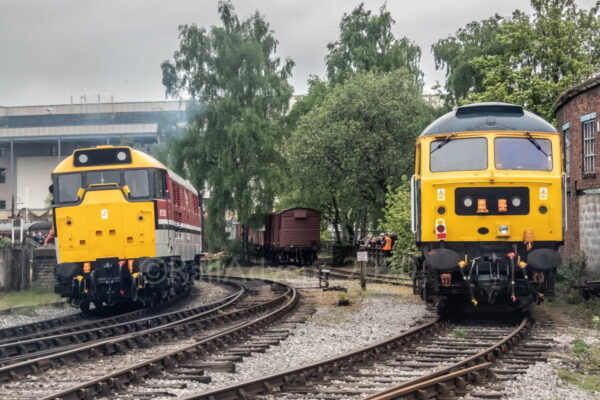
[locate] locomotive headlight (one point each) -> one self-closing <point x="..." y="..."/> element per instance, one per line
<point x="516" y="201"/>
<point x="83" y="158"/>
<point x="121" y="156"/>
<point x="468" y="202"/>
<point x="503" y="230"/>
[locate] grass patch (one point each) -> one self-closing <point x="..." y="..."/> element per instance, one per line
<point x="459" y="333"/>
<point x="587" y="362"/>
<point x="579" y="347"/>
<point x="33" y="297"/>
<point x="585" y="382"/>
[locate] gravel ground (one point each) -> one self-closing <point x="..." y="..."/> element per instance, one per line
<point x="56" y="380"/>
<point x="382" y="312"/>
<point x="38" y="314"/>
<point x="202" y="293"/>
<point x="541" y="380"/>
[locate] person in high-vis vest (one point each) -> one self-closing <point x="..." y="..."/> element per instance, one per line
<point x="386" y="248"/>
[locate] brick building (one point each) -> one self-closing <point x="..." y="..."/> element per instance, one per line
<point x="577" y="112"/>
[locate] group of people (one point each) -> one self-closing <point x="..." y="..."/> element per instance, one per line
<point x="385" y="242"/>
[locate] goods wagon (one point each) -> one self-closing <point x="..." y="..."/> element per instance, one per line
<point x="292" y="236"/>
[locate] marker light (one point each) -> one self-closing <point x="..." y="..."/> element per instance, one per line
<point x="516" y="201"/>
<point x="482" y="206"/>
<point x="440" y="229"/>
<point x="121" y="156"/>
<point x="502" y="205"/>
<point x="83" y="158"/>
<point x="468" y="202"/>
<point x="503" y="230"/>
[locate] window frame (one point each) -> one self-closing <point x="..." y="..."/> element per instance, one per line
<point x="567" y="150"/>
<point x="57" y="188"/>
<point x="150" y="185"/>
<point x="588" y="146"/>
<point x="487" y="155"/>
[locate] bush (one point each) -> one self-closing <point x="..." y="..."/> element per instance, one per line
<point x="569" y="275"/>
<point x="5" y="243"/>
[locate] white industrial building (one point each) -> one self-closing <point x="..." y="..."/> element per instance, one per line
<point x="34" y="139"/>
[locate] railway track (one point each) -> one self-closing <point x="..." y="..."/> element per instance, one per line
<point x="162" y="349"/>
<point x="343" y="273"/>
<point x="78" y="321"/>
<point x="437" y="359"/>
<point x="58" y="339"/>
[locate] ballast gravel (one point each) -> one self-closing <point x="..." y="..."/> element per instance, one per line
<point x="202" y="293"/>
<point x="36" y="315"/>
<point x="332" y="330"/>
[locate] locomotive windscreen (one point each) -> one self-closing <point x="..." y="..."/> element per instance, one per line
<point x="96" y="157"/>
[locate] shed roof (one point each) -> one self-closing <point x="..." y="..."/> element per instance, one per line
<point x="575" y="91"/>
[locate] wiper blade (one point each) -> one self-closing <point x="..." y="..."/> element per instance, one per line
<point x="445" y="142"/>
<point x="536" y="144"/>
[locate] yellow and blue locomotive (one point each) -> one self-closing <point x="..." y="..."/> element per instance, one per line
<point x="127" y="228"/>
<point x="488" y="207"/>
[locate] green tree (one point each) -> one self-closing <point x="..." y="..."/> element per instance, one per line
<point x="527" y="60"/>
<point x="345" y="153"/>
<point x="366" y="43"/>
<point x="454" y="54"/>
<point x="396" y="219"/>
<point x="231" y="146"/>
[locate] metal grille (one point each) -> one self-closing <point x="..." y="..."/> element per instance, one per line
<point x="589" y="151"/>
<point x="567" y="136"/>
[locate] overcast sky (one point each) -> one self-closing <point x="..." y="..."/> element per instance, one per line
<point x="51" y="50"/>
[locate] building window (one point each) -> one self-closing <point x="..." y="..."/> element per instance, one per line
<point x="2" y="175"/>
<point x="3" y="151"/>
<point x="2" y="204"/>
<point x="566" y="135"/>
<point x="589" y="151"/>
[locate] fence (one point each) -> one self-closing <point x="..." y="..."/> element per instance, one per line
<point x="16" y="268"/>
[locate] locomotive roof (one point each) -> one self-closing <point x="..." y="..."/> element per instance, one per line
<point x="139" y="159"/>
<point x="490" y="116"/>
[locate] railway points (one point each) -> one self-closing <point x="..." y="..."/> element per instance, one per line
<point x="178" y="341"/>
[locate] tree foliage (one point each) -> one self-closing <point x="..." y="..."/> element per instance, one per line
<point x="524" y="59"/>
<point x="366" y="43"/>
<point x="230" y="147"/>
<point x="345" y="153"/>
<point x="454" y="54"/>
<point x="396" y="219"/>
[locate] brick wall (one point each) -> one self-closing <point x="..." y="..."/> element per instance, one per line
<point x="583" y="207"/>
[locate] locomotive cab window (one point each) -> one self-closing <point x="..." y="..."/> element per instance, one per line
<point x="138" y="182"/>
<point x="102" y="177"/>
<point x="68" y="185"/>
<point x="523" y="154"/>
<point x="468" y="154"/>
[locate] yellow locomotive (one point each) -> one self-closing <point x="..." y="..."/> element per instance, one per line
<point x="127" y="228"/>
<point x="488" y="207"/>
